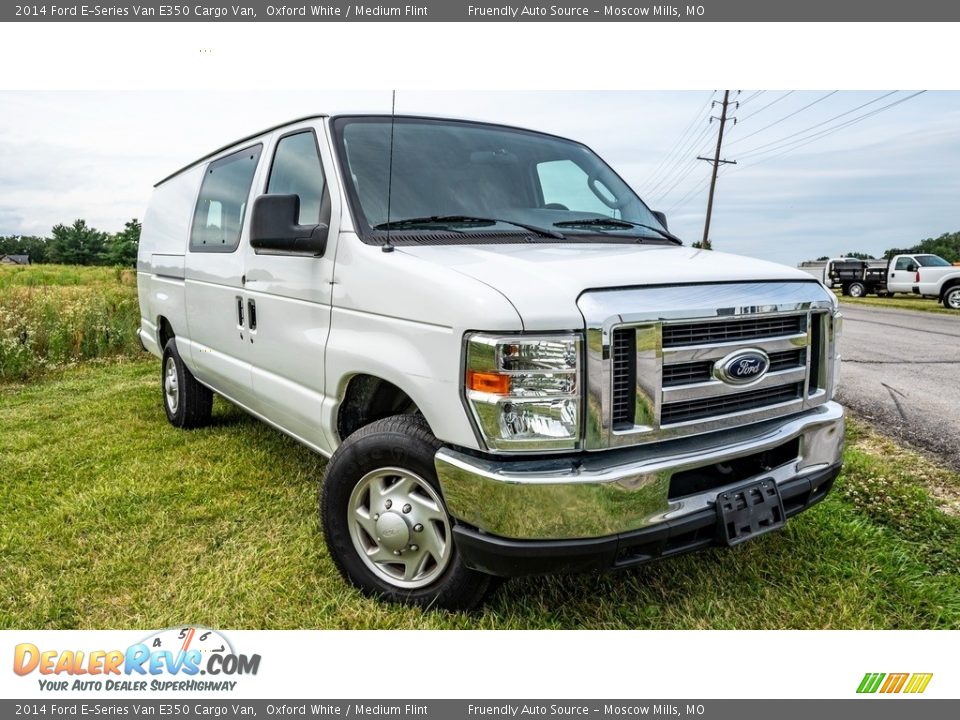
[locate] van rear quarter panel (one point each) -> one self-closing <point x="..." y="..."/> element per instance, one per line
<point x="161" y="256"/>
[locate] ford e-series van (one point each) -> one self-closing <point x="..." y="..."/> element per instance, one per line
<point x="512" y="364"/>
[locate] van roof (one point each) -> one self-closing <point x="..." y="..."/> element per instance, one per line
<point x="347" y="114"/>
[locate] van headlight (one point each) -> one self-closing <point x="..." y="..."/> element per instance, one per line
<point x="524" y="390"/>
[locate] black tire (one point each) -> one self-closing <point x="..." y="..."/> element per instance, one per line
<point x="856" y="290"/>
<point x="405" y="442"/>
<point x="951" y="298"/>
<point x="193" y="404"/>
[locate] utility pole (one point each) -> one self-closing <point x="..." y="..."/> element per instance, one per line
<point x="716" y="162"/>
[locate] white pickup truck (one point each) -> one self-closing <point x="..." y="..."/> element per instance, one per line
<point x="919" y="274"/>
<point x="512" y="364"/>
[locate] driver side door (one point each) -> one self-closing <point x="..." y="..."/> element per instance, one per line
<point x="289" y="294"/>
<point x="901" y="277"/>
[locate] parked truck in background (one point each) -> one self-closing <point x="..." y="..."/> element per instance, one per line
<point x="511" y="363"/>
<point x="927" y="275"/>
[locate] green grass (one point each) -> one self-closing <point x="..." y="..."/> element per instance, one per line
<point x="902" y="302"/>
<point x="112" y="518"/>
<point x="53" y="316"/>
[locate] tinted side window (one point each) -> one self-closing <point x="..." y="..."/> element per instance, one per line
<point x="218" y="219"/>
<point x="297" y="171"/>
<point x="903" y="263"/>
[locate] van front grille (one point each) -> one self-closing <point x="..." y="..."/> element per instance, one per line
<point x="709" y="407"/>
<point x="623" y="358"/>
<point x="725" y="331"/>
<point x="674" y="361"/>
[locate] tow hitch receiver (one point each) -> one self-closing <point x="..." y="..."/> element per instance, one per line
<point x="749" y="511"/>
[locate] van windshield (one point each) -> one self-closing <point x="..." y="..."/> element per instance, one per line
<point x="462" y="181"/>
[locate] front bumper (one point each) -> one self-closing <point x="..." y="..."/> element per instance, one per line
<point x="592" y="504"/>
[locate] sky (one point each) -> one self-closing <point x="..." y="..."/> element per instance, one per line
<point x="889" y="180"/>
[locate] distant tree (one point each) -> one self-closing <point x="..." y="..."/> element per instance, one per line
<point x="35" y="247"/>
<point x="946" y="246"/>
<point x="703" y="244"/>
<point x="77" y="244"/>
<point x="859" y="256"/>
<point x="822" y="258"/>
<point x="121" y="247"/>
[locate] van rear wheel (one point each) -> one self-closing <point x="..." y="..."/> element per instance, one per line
<point x="385" y="522"/>
<point x="188" y="404"/>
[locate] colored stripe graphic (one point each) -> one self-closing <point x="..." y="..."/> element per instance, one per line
<point x="870" y="682"/>
<point x="894" y="683"/>
<point x="918" y="682"/>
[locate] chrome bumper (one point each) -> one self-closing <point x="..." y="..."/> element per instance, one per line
<point x="599" y="494"/>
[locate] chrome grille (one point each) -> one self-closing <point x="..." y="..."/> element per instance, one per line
<point x="733" y="330"/>
<point x="690" y="410"/>
<point x="687" y="373"/>
<point x="654" y="355"/>
<point x="623" y="353"/>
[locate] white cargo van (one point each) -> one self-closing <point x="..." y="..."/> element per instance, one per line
<point x="512" y="364"/>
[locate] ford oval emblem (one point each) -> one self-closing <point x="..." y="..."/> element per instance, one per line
<point x="743" y="367"/>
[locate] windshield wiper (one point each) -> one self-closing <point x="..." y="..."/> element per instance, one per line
<point x="617" y="223"/>
<point x="465" y="220"/>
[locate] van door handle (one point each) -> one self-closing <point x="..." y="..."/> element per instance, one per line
<point x="239" y="311"/>
<point x="252" y="314"/>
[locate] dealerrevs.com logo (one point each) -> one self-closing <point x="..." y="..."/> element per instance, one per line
<point x="180" y="659"/>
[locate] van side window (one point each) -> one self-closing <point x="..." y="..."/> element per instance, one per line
<point x="297" y="170"/>
<point x="218" y="219"/>
<point x="903" y="263"/>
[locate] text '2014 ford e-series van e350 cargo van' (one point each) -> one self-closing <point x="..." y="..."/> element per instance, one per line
<point x="512" y="364"/>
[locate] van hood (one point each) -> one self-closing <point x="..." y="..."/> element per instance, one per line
<point x="543" y="281"/>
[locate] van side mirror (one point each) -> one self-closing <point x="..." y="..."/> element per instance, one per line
<point x="275" y="226"/>
<point x="661" y="217"/>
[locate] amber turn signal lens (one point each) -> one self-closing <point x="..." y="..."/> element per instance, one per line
<point x="488" y="382"/>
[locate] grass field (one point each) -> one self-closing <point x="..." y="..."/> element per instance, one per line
<point x="902" y="302"/>
<point x="112" y="518"/>
<point x="53" y="316"/>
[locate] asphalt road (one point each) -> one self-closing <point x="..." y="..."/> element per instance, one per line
<point x="901" y="370"/>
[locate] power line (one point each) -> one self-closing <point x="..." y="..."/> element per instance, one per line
<point x="787" y="117"/>
<point x="683" y="136"/>
<point x="799" y="143"/>
<point x="757" y="94"/>
<point x="682" y="202"/>
<point x="769" y="104"/>
<point x="691" y="165"/>
<point x="752" y="151"/>
<point x="688" y="147"/>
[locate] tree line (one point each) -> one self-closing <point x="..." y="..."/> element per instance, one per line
<point x="80" y="244"/>
<point x="946" y="246"/>
<point x="77" y="244"/>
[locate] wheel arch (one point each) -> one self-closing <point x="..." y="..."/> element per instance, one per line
<point x="366" y="398"/>
<point x="165" y="331"/>
<point x="948" y="286"/>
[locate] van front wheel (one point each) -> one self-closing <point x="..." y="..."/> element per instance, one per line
<point x="385" y="522"/>
<point x="188" y="404"/>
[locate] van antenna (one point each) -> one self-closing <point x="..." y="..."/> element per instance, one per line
<point x="387" y="247"/>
